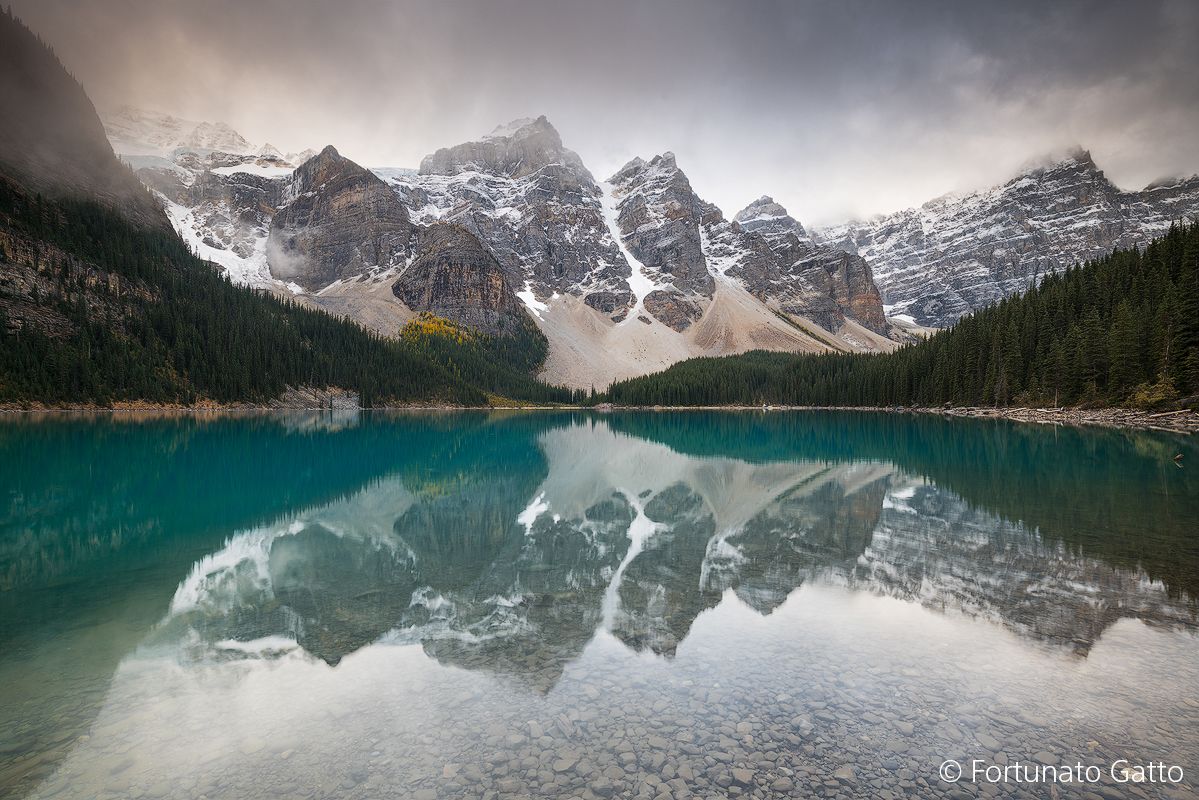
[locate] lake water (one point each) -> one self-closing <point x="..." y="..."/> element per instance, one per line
<point x="545" y="605"/>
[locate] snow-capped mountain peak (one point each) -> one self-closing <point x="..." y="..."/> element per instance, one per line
<point x="516" y="150"/>
<point x="769" y="218"/>
<point x="517" y="127"/>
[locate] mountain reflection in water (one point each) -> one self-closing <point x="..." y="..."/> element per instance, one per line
<point x="507" y="544"/>
<point x="498" y="568"/>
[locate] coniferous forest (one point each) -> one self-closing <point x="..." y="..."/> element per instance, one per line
<point x="1121" y="330"/>
<point x="126" y="312"/>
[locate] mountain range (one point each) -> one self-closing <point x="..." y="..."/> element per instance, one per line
<point x="103" y="303"/>
<point x="509" y="240"/>
<point x="963" y="252"/>
<point x="624" y="276"/>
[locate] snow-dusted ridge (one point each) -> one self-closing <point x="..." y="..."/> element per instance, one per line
<point x="964" y="251"/>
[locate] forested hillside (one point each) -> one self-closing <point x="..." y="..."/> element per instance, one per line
<point x="95" y="308"/>
<point x="101" y="302"/>
<point x="1121" y="330"/>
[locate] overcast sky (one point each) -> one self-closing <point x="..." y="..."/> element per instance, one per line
<point x="836" y="109"/>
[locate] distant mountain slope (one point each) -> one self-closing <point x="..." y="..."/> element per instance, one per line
<point x="960" y="253"/>
<point x="137" y="132"/>
<point x="132" y="130"/>
<point x="100" y="302"/>
<point x="1123" y="329"/>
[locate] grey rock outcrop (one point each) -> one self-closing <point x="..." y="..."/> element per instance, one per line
<point x="673" y="309"/>
<point x="454" y="276"/>
<point x="844" y="278"/>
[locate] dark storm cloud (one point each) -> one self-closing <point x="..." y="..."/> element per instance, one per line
<point x="834" y="108"/>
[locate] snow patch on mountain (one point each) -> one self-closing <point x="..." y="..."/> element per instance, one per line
<point x="248" y="270"/>
<point x="263" y="171"/>
<point x="535" y="306"/>
<point x="640" y="281"/>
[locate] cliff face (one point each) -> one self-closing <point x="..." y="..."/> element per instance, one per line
<point x="688" y="248"/>
<point x="454" y="276"/>
<point x="51" y="138"/>
<point x="660" y="217"/>
<point x="340" y="222"/>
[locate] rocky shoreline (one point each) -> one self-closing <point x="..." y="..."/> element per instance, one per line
<point x="1184" y="421"/>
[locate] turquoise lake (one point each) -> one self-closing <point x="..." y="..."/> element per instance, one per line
<point x="575" y="605"/>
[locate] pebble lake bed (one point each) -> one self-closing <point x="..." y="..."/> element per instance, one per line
<point x="576" y="605"/>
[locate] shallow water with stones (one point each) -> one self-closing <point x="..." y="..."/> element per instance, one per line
<point x="660" y="605"/>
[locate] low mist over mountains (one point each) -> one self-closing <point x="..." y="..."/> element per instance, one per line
<point x="102" y="303"/>
<point x="50" y="138"/>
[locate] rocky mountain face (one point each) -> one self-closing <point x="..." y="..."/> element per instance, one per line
<point x="959" y="253"/>
<point x="534" y="205"/>
<point x="455" y="277"/>
<point x="843" y="277"/>
<point x="623" y="278"/>
<point x="686" y="248"/>
<point x="337" y="221"/>
<point x="324" y="230"/>
<point x="220" y="201"/>
<point x="660" y="219"/>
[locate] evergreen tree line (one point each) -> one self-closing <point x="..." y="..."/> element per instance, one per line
<point x="173" y="329"/>
<point x="1120" y="330"/>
